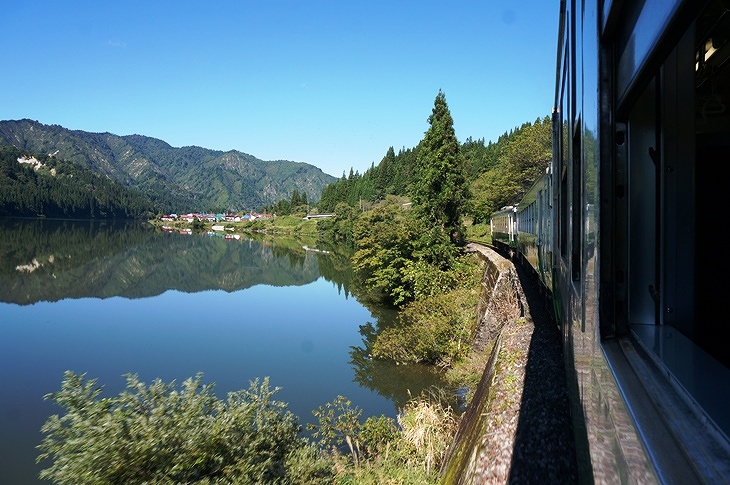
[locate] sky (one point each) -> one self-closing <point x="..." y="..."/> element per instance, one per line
<point x="330" y="83"/>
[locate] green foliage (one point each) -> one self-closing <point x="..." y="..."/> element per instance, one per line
<point x="437" y="328"/>
<point x="391" y="177"/>
<point x="51" y="187"/>
<point x="478" y="157"/>
<point x="338" y="229"/>
<point x="198" y="225"/>
<point x="398" y="258"/>
<point x="159" y="434"/>
<point x="296" y="204"/>
<point x="307" y="465"/>
<point x="496" y="173"/>
<point x="165" y="435"/>
<point x="338" y="420"/>
<point x="339" y="425"/>
<point x="409" y="451"/>
<point x="439" y="190"/>
<point x="523" y="157"/>
<point x="377" y="434"/>
<point x="480" y="232"/>
<point x="385" y="249"/>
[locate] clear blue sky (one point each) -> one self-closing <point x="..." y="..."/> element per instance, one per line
<point x="330" y="83"/>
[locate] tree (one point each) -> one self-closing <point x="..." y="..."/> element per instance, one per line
<point x="439" y="190"/>
<point x="295" y="199"/>
<point x="158" y="434"/>
<point x="384" y="239"/>
<point x="522" y="157"/>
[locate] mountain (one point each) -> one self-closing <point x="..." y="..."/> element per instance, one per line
<point x="34" y="185"/>
<point x="177" y="179"/>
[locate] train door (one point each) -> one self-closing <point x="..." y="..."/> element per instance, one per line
<point x="712" y="127"/>
<point x="678" y="140"/>
<point x="672" y="129"/>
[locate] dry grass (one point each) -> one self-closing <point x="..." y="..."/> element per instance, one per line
<point x="428" y="428"/>
<point x="505" y="304"/>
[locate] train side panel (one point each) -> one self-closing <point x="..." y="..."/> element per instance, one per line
<point x="609" y="446"/>
<point x="627" y="214"/>
<point x="503" y="226"/>
<point x="614" y="230"/>
<point x="534" y="219"/>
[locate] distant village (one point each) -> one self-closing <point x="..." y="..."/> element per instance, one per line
<point x="215" y="219"/>
<point x="218" y="228"/>
<point x="192" y="217"/>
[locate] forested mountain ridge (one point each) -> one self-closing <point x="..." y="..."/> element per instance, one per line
<point x="40" y="185"/>
<point x="176" y="179"/>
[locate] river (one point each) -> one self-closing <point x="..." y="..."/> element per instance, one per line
<point x="107" y="299"/>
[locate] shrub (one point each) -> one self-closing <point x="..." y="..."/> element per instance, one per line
<point x="158" y="434"/>
<point x="306" y="465"/>
<point x="437" y="328"/>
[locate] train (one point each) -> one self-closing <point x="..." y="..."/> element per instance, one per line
<point x="625" y="232"/>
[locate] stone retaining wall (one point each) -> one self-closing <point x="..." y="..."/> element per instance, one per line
<point x="482" y="448"/>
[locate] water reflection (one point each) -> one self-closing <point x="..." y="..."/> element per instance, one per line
<point x="50" y="260"/>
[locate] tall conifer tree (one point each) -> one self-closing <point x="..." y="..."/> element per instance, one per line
<point x="439" y="190"/>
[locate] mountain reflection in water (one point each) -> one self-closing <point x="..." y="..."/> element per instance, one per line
<point x="49" y="260"/>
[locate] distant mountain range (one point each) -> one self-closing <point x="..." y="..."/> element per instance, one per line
<point x="181" y="179"/>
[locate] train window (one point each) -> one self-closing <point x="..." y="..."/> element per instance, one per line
<point x="563" y="174"/>
<point x="643" y="248"/>
<point x="674" y="187"/>
<point x="577" y="205"/>
<point x="712" y="125"/>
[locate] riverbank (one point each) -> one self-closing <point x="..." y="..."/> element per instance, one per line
<point x="289" y="225"/>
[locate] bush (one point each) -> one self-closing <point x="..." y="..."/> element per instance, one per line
<point x="437" y="328"/>
<point x="158" y="434"/>
<point x="339" y="425"/>
<point x="306" y="465"/>
<point x="481" y="232"/>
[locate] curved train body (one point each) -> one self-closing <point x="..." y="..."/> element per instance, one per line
<point x="618" y="231"/>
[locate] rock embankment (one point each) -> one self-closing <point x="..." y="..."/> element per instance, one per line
<point x="517" y="428"/>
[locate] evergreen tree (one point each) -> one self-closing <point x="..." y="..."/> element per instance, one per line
<point x="439" y="190"/>
<point x="295" y="200"/>
<point x="385" y="175"/>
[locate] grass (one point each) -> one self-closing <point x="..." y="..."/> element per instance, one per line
<point x="480" y="233"/>
<point x="468" y="371"/>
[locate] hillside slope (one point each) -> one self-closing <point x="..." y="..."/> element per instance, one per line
<point x="186" y="178"/>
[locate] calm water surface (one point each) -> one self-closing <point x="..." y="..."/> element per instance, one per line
<point x="110" y="299"/>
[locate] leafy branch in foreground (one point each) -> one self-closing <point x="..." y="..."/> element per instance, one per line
<point x="158" y="434"/>
<point x="339" y="423"/>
